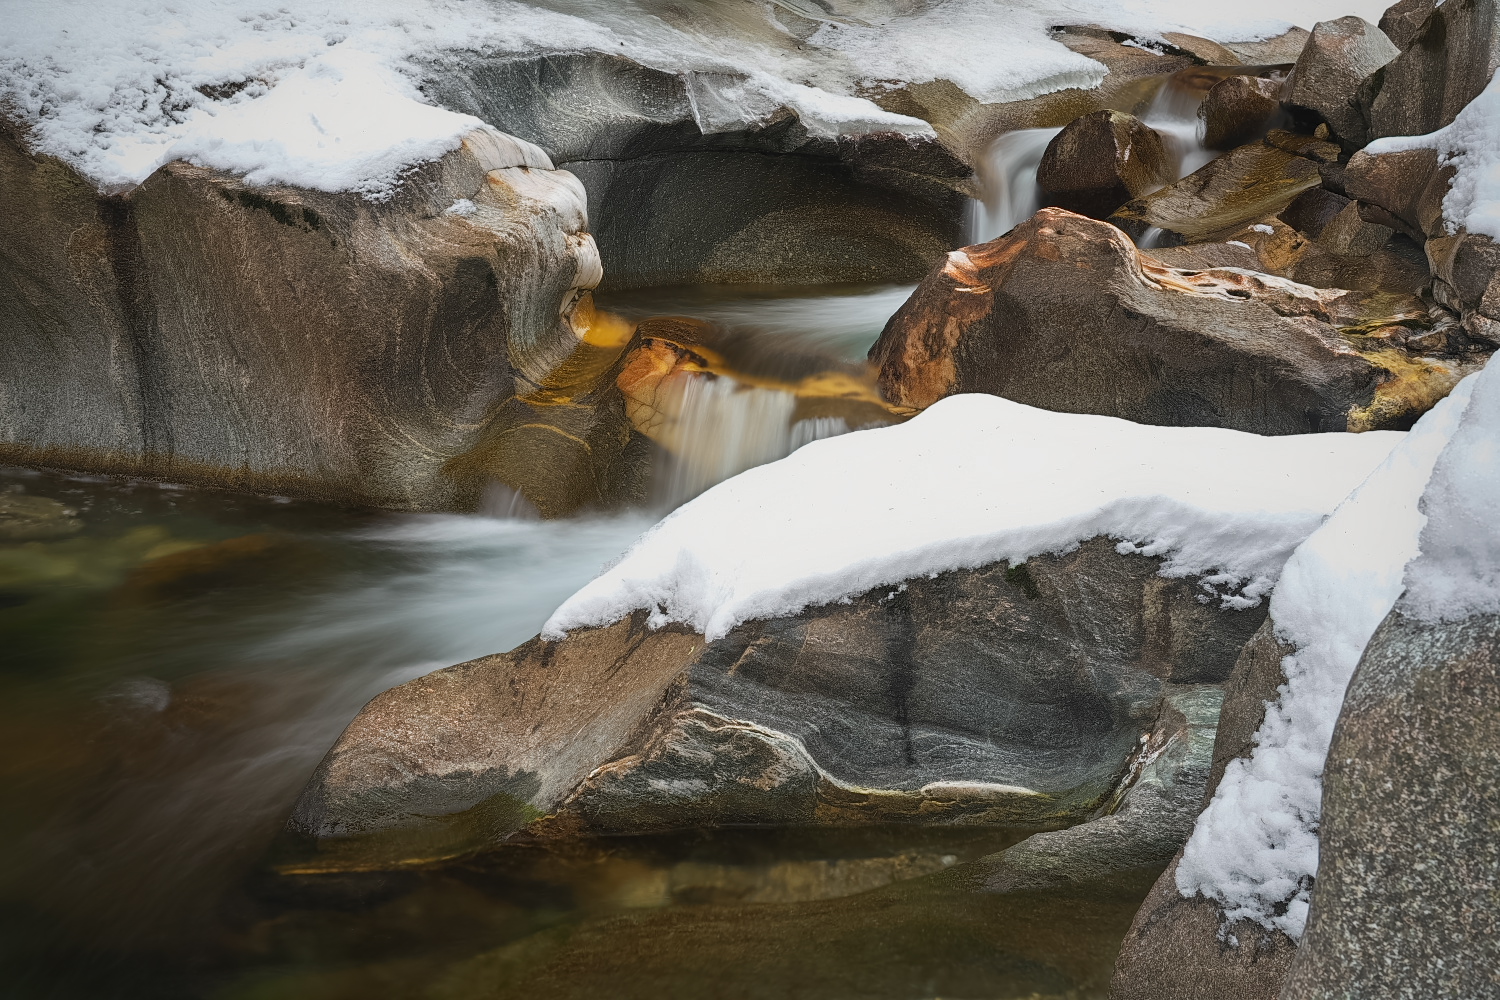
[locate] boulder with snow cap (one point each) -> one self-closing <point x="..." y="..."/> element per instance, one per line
<point x="1407" y="901"/>
<point x="1227" y="917"/>
<point x="897" y="635"/>
<point x="203" y="329"/>
<point x="1064" y="312"/>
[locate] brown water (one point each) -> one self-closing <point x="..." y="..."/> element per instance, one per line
<point x="172" y="671"/>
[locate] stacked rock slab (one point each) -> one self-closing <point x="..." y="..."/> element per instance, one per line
<point x="1011" y="696"/>
<point x="276" y="339"/>
<point x="1065" y="313"/>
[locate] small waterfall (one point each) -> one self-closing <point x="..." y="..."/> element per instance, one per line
<point x="1174" y="114"/>
<point x="1007" y="174"/>
<point x="722" y="427"/>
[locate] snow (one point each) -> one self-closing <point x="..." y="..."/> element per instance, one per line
<point x="1472" y="144"/>
<point x="326" y="93"/>
<point x="1255" y="847"/>
<point x="1458" y="573"/>
<point x="974" y="480"/>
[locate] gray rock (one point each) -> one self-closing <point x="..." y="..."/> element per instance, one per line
<point x="276" y="339"/>
<point x="1407" y="903"/>
<point x="1238" y="110"/>
<point x="1443" y="66"/>
<point x="1063" y="312"/>
<point x="1466" y="272"/>
<point x="1403" y="20"/>
<point x="1007" y="696"/>
<point x="1178" y="948"/>
<point x="1326" y="80"/>
<point x="1100" y="161"/>
<point x="1403" y="190"/>
<point x="1146" y="822"/>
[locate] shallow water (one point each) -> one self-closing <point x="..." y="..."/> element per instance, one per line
<point x="171" y="673"/>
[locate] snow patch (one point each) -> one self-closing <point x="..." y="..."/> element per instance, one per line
<point x="1472" y="145"/>
<point x="971" y="481"/>
<point x="1254" y="850"/>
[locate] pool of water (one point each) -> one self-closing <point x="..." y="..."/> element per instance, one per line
<point x="174" y="663"/>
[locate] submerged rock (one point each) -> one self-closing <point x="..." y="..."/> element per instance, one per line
<point x="1100" y="161"/>
<point x="276" y="339"/>
<point x="1011" y="696"/>
<point x="26" y="518"/>
<point x="1065" y="313"/>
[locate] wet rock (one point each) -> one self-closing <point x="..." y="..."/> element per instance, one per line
<point x="1147" y="821"/>
<point x="274" y="339"/>
<point x="1100" y="161"/>
<point x="1174" y="949"/>
<point x="1240" y="187"/>
<point x="1006" y="696"/>
<point x="1238" y="110"/>
<point x="1403" y="190"/>
<point x="1405" y="904"/>
<point x="686" y="185"/>
<point x="1325" y="82"/>
<point x="1065" y="313"/>
<point x="1443" y="66"/>
<point x="26" y="518"/>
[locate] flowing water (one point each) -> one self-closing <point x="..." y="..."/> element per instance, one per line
<point x="172" y="671"/>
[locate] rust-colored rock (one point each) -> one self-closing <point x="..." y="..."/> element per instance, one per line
<point x="1101" y="161"/>
<point x="1065" y="313"/>
<point x="1238" y="110"/>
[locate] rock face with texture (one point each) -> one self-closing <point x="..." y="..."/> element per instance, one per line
<point x="1444" y="64"/>
<point x="1240" y="187"/>
<point x="1326" y="80"/>
<point x="1173" y="950"/>
<point x="685" y="186"/>
<point x="1408" y="897"/>
<point x="282" y="340"/>
<point x="1002" y="696"/>
<point x="1101" y="161"/>
<point x="1066" y="314"/>
<point x="1239" y="109"/>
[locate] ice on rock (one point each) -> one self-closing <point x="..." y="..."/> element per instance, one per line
<point x="974" y="480"/>
<point x="1254" y="849"/>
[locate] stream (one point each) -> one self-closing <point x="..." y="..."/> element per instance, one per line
<point x="175" y="669"/>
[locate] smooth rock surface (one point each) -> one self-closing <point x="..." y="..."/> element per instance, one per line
<point x="1065" y="313"/>
<point x="1403" y="190"/>
<point x="1238" y="110"/>
<point x="1240" y="187"/>
<point x="1100" y="161"/>
<point x="1407" y="902"/>
<point x="1010" y="696"/>
<point x="282" y="340"/>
